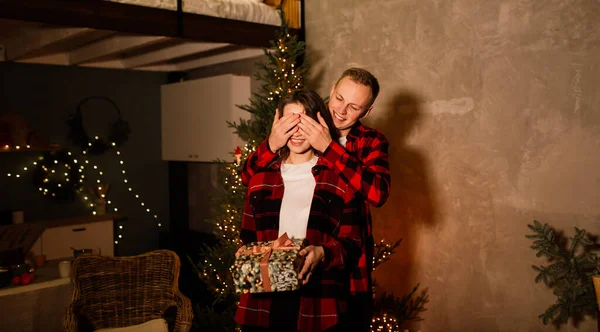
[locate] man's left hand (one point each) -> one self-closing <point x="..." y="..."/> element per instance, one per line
<point x="317" y="133"/>
<point x="313" y="256"/>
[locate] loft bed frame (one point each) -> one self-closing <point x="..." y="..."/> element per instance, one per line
<point x="214" y="37"/>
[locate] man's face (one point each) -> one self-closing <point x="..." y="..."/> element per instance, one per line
<point x="297" y="143"/>
<point x="347" y="103"/>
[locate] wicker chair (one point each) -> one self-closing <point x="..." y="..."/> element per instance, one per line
<point x="110" y="292"/>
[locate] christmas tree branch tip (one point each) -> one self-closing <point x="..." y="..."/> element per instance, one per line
<point x="572" y="264"/>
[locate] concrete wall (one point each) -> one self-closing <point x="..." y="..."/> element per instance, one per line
<point x="492" y="111"/>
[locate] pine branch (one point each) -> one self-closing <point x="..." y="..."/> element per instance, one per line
<point x="570" y="273"/>
<point x="383" y="251"/>
<point x="215" y="269"/>
<point x="403" y="309"/>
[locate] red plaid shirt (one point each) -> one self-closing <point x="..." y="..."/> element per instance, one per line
<point x="323" y="299"/>
<point x="363" y="165"/>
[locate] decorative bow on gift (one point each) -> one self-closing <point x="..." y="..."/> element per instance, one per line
<point x="282" y="243"/>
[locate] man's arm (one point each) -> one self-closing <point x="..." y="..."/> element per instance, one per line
<point x="370" y="175"/>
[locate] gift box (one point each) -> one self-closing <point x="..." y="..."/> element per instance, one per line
<point x="270" y="266"/>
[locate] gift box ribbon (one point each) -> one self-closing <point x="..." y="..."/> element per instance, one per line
<point x="282" y="243"/>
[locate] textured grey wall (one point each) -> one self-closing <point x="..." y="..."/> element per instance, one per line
<point x="492" y="110"/>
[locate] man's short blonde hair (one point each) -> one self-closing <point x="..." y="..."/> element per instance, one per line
<point x="363" y="77"/>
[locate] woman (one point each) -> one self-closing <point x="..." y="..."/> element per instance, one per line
<point x="299" y="193"/>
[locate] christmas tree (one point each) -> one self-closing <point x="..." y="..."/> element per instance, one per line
<point x="572" y="265"/>
<point x="391" y="313"/>
<point x="282" y="72"/>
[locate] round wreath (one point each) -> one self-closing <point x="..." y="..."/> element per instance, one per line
<point x="58" y="185"/>
<point x="118" y="131"/>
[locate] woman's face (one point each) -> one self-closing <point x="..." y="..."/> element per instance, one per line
<point x="297" y="143"/>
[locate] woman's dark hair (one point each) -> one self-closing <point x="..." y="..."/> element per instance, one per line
<point x="313" y="104"/>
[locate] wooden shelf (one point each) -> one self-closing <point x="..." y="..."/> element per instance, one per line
<point x="26" y="237"/>
<point x="46" y="276"/>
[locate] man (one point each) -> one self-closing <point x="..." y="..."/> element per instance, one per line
<point x="361" y="160"/>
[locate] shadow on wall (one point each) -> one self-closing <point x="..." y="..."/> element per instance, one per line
<point x="412" y="204"/>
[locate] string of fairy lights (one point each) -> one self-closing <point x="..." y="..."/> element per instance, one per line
<point x="228" y="226"/>
<point x="384" y="323"/>
<point x="100" y="189"/>
<point x="284" y="78"/>
<point x="383" y="251"/>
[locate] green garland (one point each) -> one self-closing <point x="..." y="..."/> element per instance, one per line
<point x="57" y="185"/>
<point x="118" y="132"/>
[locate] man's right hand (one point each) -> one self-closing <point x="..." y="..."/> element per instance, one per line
<point x="282" y="130"/>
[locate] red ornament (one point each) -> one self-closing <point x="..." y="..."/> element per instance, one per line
<point x="26" y="278"/>
<point x="16" y="280"/>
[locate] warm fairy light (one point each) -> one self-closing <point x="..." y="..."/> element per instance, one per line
<point x="382" y="251"/>
<point x="81" y="170"/>
<point x="228" y="225"/>
<point x="130" y="189"/>
<point x="384" y="323"/>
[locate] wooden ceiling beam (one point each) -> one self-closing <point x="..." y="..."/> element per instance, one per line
<point x="172" y="52"/>
<point x="127" y="18"/>
<point x="165" y="68"/>
<point x="51" y="59"/>
<point x="111" y="46"/>
<point x="37" y="41"/>
<point x="110" y="64"/>
<point x="220" y="58"/>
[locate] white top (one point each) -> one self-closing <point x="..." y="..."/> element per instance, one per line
<point x="299" y="184"/>
<point x="343" y="140"/>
